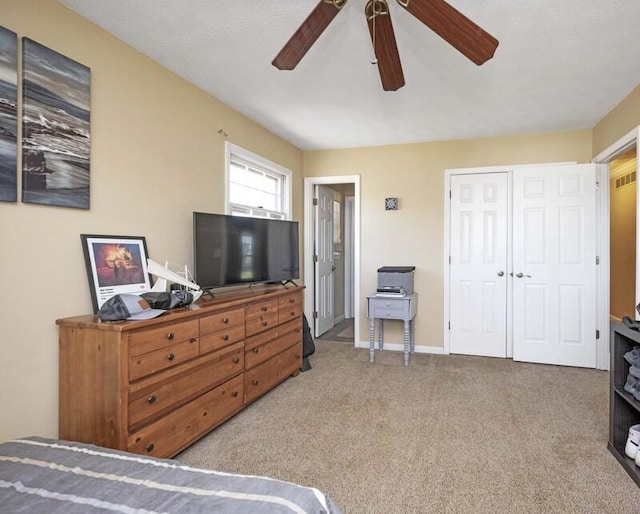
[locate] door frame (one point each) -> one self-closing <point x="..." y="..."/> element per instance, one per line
<point x="447" y="242"/>
<point x="309" y="239"/>
<point x="349" y="224"/>
<point x="603" y="276"/>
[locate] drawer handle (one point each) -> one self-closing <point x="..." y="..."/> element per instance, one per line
<point x="225" y="337"/>
<point x="256" y="350"/>
<point x="225" y="320"/>
<point x="152" y="398"/>
<point x="171" y="356"/>
<point x="170" y="336"/>
<point x="193" y="339"/>
<point x="264" y="323"/>
<point x="291" y="300"/>
<point x="292" y="313"/>
<point x="263" y="309"/>
<point x="150" y="447"/>
<point x="254" y="382"/>
<point x="236" y="360"/>
<point x="234" y="394"/>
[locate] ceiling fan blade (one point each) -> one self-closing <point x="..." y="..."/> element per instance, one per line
<point x="384" y="45"/>
<point x="307" y="34"/>
<point x="454" y="27"/>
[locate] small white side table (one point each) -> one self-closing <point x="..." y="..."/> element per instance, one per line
<point x="392" y="307"/>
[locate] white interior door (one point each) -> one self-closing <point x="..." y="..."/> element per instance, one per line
<point x="554" y="265"/>
<point x="324" y="266"/>
<point x="479" y="258"/>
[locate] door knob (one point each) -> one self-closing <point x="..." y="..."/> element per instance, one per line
<point x="500" y="273"/>
<point x="520" y="275"/>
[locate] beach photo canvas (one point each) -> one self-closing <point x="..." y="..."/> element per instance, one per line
<point x="8" y="115"/>
<point x="56" y="120"/>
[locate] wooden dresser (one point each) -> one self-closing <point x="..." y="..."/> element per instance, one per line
<point x="154" y="387"/>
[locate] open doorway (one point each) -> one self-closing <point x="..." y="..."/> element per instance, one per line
<point x="331" y="257"/>
<point x="614" y="164"/>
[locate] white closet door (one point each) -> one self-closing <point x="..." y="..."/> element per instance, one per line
<point x="478" y="280"/>
<point x="554" y="257"/>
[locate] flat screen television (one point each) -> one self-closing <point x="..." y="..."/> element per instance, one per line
<point x="232" y="250"/>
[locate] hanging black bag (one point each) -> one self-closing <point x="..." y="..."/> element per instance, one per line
<point x="308" y="346"/>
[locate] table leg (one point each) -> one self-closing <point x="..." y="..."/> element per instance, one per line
<point x="380" y="334"/>
<point x="407" y="332"/>
<point x="372" y="330"/>
<point x="413" y="335"/>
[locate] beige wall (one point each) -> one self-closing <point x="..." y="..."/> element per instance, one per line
<point x="156" y="156"/>
<point x="622" y="237"/>
<point x="619" y="122"/>
<point x="414" y="234"/>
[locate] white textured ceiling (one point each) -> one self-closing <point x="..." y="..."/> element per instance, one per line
<point x="561" y="65"/>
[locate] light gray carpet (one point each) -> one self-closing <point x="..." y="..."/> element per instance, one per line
<point x="447" y="434"/>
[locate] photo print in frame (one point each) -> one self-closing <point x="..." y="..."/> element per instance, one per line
<point x="8" y="115"/>
<point x="115" y="265"/>
<point x="56" y="113"/>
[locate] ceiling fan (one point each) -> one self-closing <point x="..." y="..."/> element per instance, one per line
<point x="446" y="21"/>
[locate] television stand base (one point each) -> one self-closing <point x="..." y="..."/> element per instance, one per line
<point x="283" y="283"/>
<point x="208" y="291"/>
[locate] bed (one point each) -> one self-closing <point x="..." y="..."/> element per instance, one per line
<point x="50" y="475"/>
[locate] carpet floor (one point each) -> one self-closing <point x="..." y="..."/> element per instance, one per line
<point x="446" y="434"/>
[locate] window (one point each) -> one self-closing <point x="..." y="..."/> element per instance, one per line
<point x="256" y="187"/>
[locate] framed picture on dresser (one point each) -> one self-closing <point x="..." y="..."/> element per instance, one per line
<point x="115" y="265"/>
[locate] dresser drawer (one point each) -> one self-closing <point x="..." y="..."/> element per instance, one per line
<point x="389" y="309"/>
<point x="150" y="400"/>
<point x="289" y="307"/>
<point x="264" y="352"/>
<point x="259" y="339"/>
<point x="166" y="357"/>
<point x="261" y="316"/>
<point x="289" y="312"/>
<point x="146" y="341"/>
<point x="267" y="375"/>
<point x="222" y="338"/>
<point x="258" y="353"/>
<point x="174" y="432"/>
<point x="291" y="326"/>
<point x="222" y="321"/>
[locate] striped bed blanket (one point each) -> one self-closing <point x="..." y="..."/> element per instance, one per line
<point x="49" y="475"/>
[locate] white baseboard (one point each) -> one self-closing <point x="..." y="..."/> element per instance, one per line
<point x="399" y="347"/>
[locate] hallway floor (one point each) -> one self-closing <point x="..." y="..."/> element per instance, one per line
<point x="341" y="332"/>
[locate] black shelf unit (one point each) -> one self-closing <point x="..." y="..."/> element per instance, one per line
<point x="624" y="409"/>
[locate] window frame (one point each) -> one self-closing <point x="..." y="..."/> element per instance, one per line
<point x="264" y="165"/>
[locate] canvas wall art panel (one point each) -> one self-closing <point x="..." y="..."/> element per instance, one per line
<point x="56" y="111"/>
<point x="8" y="115"/>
